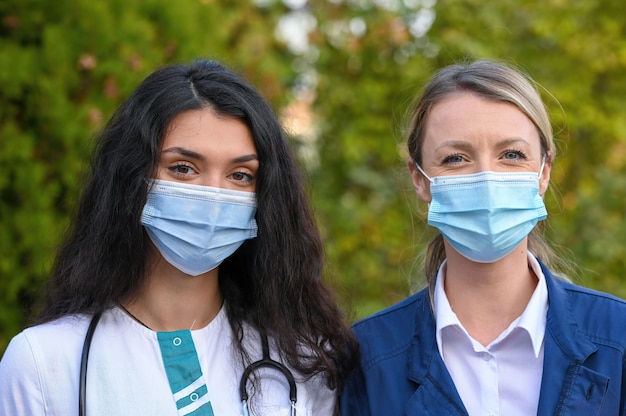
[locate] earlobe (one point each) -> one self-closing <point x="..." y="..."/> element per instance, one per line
<point x="420" y="183"/>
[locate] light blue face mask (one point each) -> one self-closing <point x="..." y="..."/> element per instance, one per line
<point x="196" y="227"/>
<point x="485" y="215"/>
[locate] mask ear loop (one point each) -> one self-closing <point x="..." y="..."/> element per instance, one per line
<point x="418" y="167"/>
<point x="543" y="164"/>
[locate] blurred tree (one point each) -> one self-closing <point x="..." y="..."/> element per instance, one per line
<point x="364" y="85"/>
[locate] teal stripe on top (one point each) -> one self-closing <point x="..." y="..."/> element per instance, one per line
<point x="183" y="370"/>
<point x="191" y="397"/>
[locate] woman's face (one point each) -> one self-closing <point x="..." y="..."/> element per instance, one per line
<point x="467" y="134"/>
<point x="201" y="148"/>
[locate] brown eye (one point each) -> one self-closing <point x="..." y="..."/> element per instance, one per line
<point x="242" y="177"/>
<point x="181" y="169"/>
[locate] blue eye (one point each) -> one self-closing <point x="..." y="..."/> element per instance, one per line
<point x="452" y="159"/>
<point x="514" y="155"/>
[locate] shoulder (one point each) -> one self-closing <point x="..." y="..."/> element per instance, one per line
<point x="394" y="318"/>
<point x="40" y="360"/>
<point x="598" y="315"/>
<point x="585" y="301"/>
<point x="389" y="333"/>
<point x="61" y="336"/>
<point x="389" y="341"/>
<point x="591" y="295"/>
<point x="53" y="347"/>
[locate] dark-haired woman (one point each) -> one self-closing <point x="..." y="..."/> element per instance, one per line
<point x="497" y="332"/>
<point x="192" y="258"/>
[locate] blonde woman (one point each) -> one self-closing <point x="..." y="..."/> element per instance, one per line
<point x="496" y="332"/>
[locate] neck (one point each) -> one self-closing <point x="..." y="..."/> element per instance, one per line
<point x="488" y="297"/>
<point x="170" y="300"/>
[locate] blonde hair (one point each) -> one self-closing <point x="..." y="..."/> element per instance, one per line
<point x="495" y="82"/>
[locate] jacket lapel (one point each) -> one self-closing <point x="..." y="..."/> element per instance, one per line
<point x="435" y="393"/>
<point x="567" y="387"/>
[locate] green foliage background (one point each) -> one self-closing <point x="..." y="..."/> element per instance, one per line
<point x="66" y="65"/>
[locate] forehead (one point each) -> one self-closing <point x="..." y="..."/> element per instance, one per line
<point x="467" y="116"/>
<point x="205" y="126"/>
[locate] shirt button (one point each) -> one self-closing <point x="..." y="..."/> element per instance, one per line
<point x="193" y="397"/>
<point x="487" y="357"/>
<point x="177" y="341"/>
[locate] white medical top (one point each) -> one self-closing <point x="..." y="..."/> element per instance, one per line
<point x="127" y="376"/>
<point x="503" y="378"/>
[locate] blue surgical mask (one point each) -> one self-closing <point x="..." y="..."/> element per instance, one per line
<point x="196" y="227"/>
<point x="484" y="216"/>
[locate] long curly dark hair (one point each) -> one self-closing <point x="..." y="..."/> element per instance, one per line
<point x="273" y="282"/>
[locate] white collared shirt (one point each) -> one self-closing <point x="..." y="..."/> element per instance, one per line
<point x="503" y="378"/>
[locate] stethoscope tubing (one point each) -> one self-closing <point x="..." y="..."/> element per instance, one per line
<point x="84" y="360"/>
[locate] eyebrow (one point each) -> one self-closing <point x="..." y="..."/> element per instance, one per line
<point x="246" y="158"/>
<point x="184" y="152"/>
<point x="512" y="140"/>
<point x="454" y="143"/>
<point x="195" y="155"/>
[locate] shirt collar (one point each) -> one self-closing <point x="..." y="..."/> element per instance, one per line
<point x="444" y="315"/>
<point x="533" y="319"/>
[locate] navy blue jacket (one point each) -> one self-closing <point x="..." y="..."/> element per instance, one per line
<point x="402" y="373"/>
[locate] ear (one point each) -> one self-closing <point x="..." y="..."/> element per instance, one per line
<point x="544" y="179"/>
<point x="420" y="182"/>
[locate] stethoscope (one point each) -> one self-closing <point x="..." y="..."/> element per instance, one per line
<point x="266" y="361"/>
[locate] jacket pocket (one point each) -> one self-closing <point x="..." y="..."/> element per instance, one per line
<point x="586" y="394"/>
